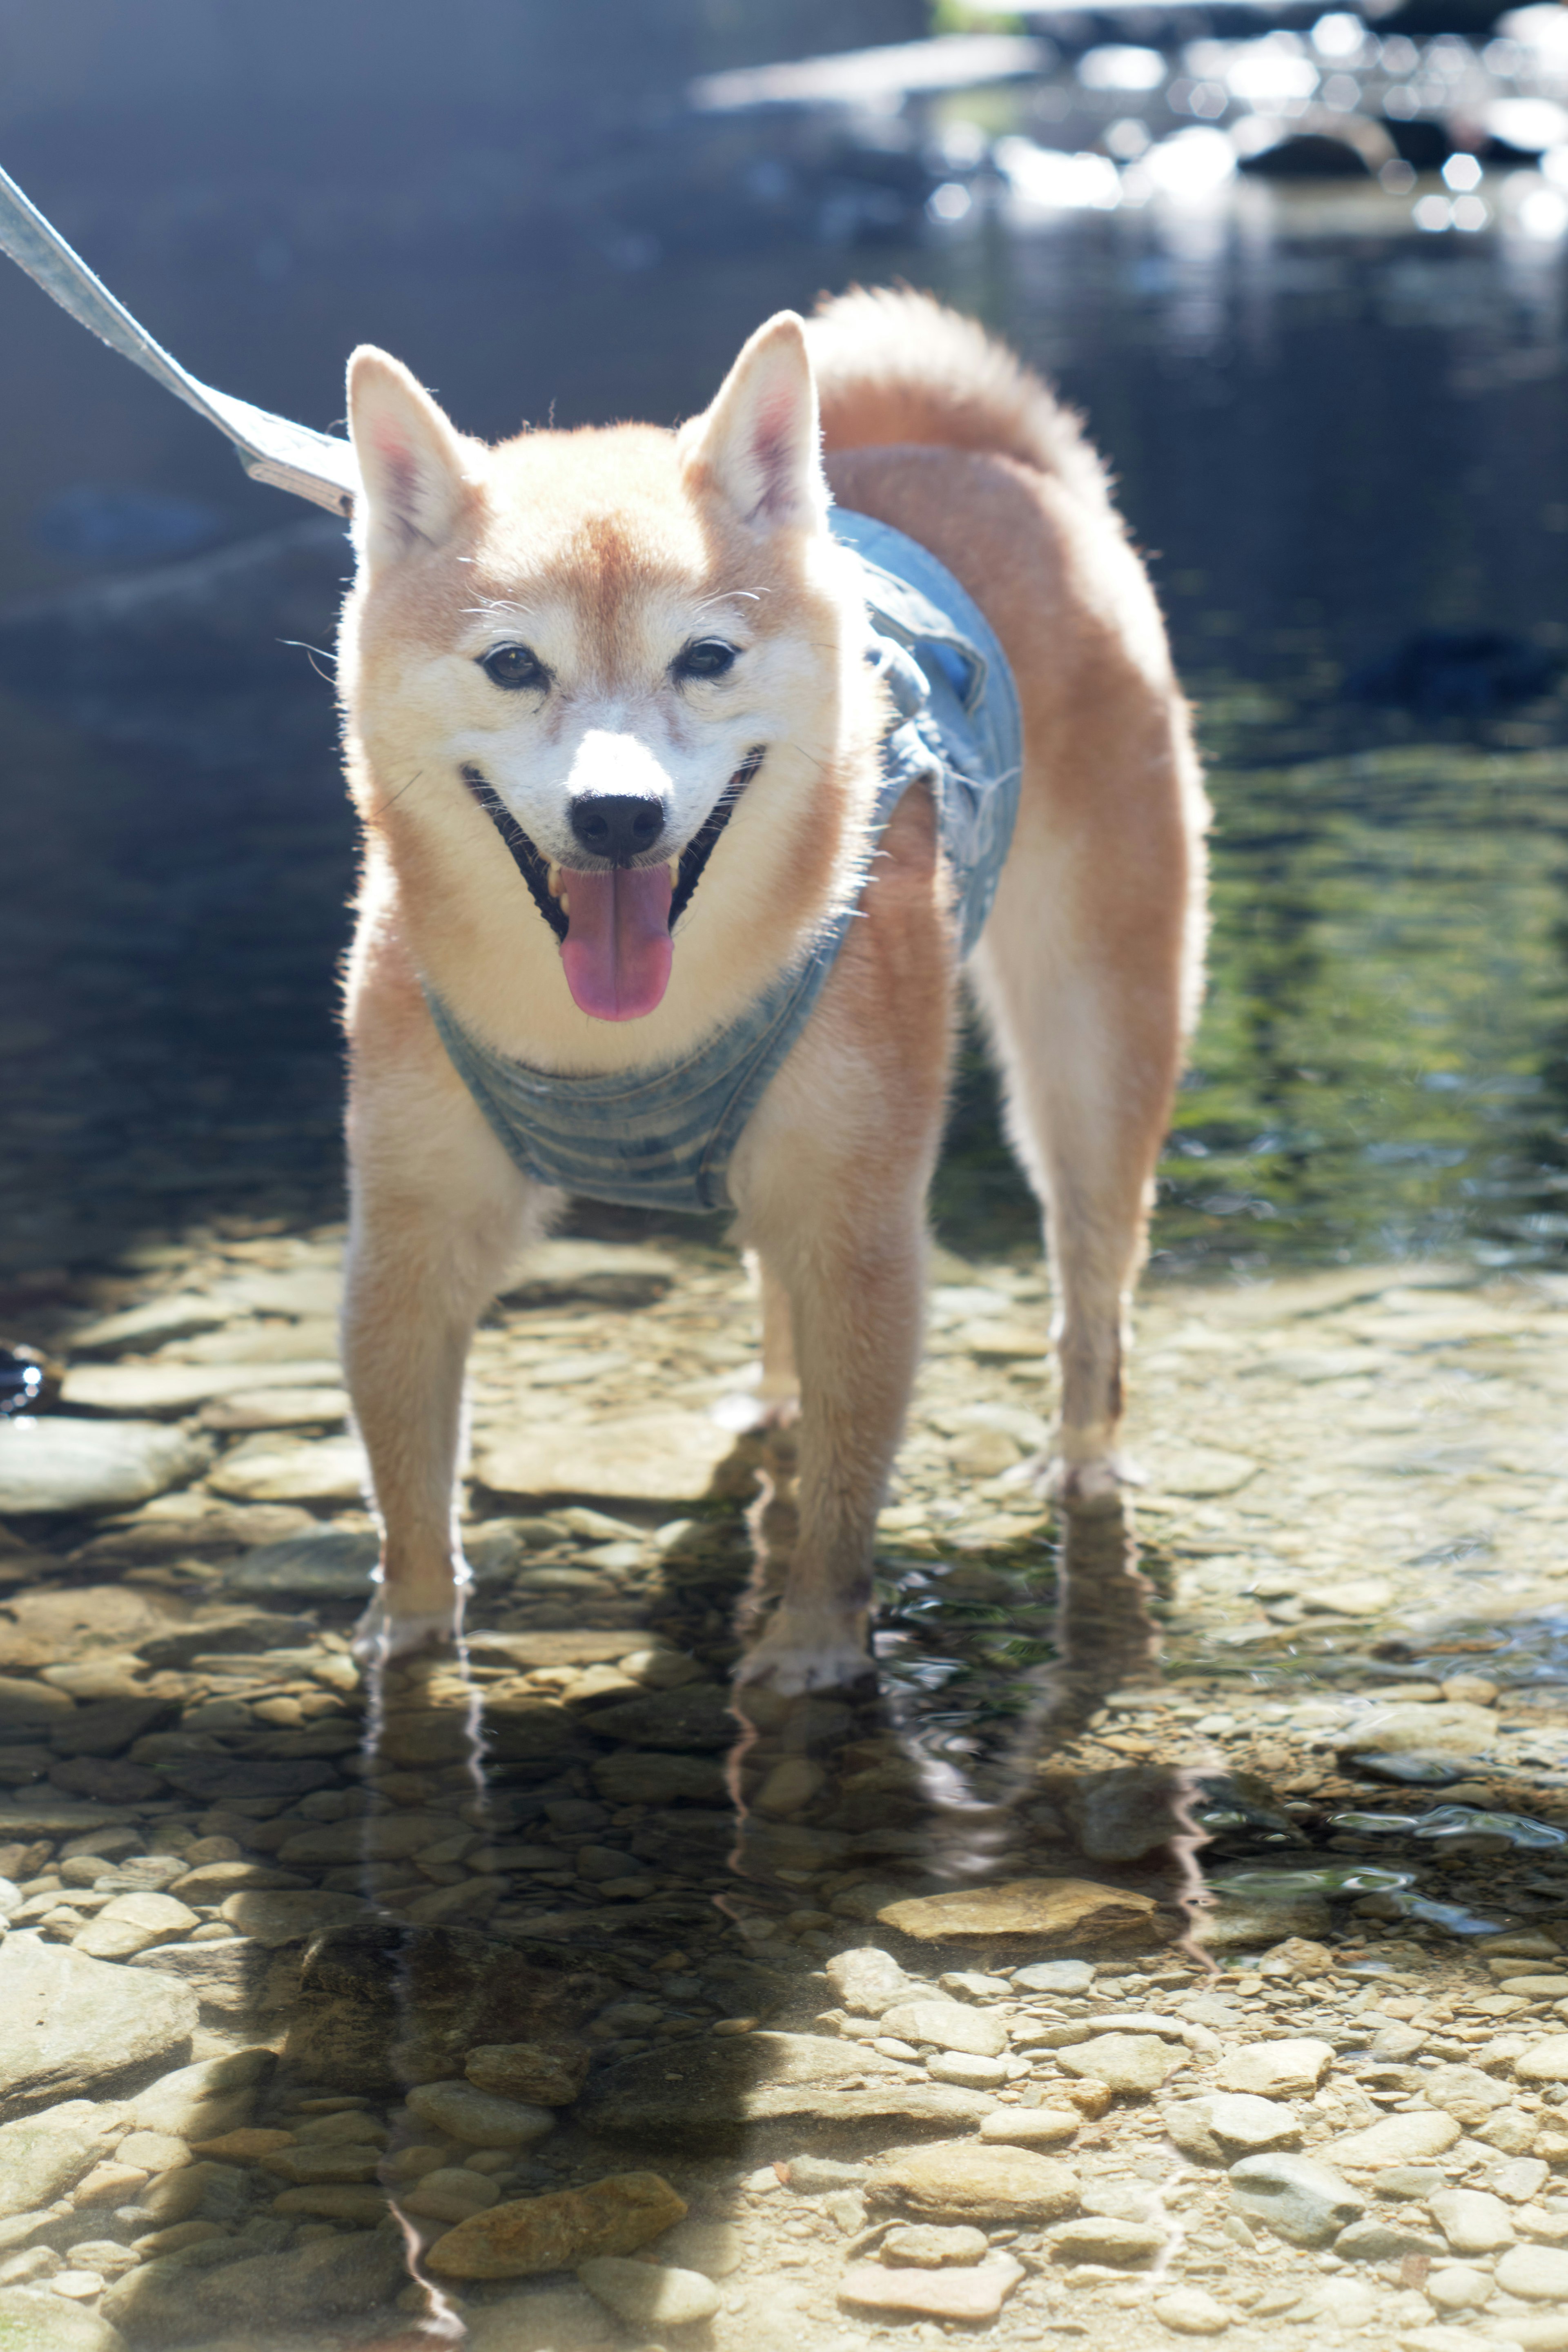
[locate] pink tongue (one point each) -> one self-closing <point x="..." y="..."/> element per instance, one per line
<point x="617" y="953"/>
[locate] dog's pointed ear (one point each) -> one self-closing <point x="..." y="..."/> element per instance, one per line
<point x="413" y="467"/>
<point x="760" y="445"/>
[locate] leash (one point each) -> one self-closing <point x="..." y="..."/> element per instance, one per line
<point x="316" y="465"/>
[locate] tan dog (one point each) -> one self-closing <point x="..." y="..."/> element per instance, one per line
<point x="629" y="619"/>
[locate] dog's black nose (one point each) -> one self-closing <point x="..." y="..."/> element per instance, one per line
<point x="618" y="826"/>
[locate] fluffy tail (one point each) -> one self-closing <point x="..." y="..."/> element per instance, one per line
<point x="895" y="366"/>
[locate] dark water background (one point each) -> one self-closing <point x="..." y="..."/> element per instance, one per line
<point x="1331" y="432"/>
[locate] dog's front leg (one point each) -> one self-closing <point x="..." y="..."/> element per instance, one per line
<point x="438" y="1214"/>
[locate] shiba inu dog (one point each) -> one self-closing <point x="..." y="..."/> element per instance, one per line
<point x="619" y="753"/>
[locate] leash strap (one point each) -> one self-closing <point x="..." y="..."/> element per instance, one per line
<point x="316" y="465"/>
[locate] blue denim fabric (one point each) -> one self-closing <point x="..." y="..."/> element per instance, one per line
<point x="662" y="1138"/>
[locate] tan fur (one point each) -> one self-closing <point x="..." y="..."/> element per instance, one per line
<point x="601" y="547"/>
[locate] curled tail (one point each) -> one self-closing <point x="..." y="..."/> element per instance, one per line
<point x="896" y="366"/>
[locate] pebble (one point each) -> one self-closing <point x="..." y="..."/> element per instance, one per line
<point x="59" y="1465"/>
<point x="1100" y="2238"/>
<point x="1535" y="2273"/>
<point x="1545" y="2062"/>
<point x="532" y="2235"/>
<point x="1191" y="2311"/>
<point x="1064" y="1977"/>
<point x="69" y="2023"/>
<point x="938" y="2295"/>
<point x="1030" y="2126"/>
<point x="649" y="2294"/>
<point x="1303" y="2201"/>
<point x="949" y="2024"/>
<point x="866" y="1981"/>
<point x="131" y="1922"/>
<point x="1286" y="2069"/>
<point x="641" y="1457"/>
<point x="1135" y="2063"/>
<point x="450" y="2193"/>
<point x="929" y="2246"/>
<point x="974" y="2180"/>
<point x="1472" y="2221"/>
<point x="1397" y="2139"/>
<point x="1443" y="1729"/>
<point x="1054" y="1908"/>
<point x="543" y="2075"/>
<point x="1458" y="2287"/>
<point x="480" y="2117"/>
<point x="1226" y="2125"/>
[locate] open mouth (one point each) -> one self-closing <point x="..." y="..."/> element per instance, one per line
<point x="615" y="925"/>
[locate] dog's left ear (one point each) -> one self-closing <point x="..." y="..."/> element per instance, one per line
<point x="415" y="467"/>
<point x="760" y="442"/>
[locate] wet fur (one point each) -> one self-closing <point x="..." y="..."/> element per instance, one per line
<point x="1087" y="974"/>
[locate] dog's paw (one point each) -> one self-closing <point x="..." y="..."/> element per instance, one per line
<point x="385" y="1631"/>
<point x="800" y="1654"/>
<point x="1095" y="1485"/>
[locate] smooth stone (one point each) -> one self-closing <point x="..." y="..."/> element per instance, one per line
<point x="1397" y="2139"/>
<point x="1445" y="1727"/>
<point x="330" y="1564"/>
<point x="139" y="1330"/>
<point x="1191" y="2311"/>
<point x="1055" y="1976"/>
<point x="1133" y="2062"/>
<point x="945" y="2294"/>
<point x="1545" y="2062"/>
<point x="274" y="1470"/>
<point x="1030" y="2126"/>
<point x="68" y="2024"/>
<point x="928" y="2245"/>
<point x="44" y="2155"/>
<point x="1385" y="2242"/>
<point x="706" y="2096"/>
<point x="642" y="1458"/>
<point x="1050" y="1908"/>
<point x="560" y="2318"/>
<point x="1122" y="1814"/>
<point x="1240" y="1922"/>
<point x="277" y="1408"/>
<point x="1464" y="2093"/>
<point x="226" y="1973"/>
<point x="272" y="1917"/>
<point x="1473" y="2221"/>
<point x="59" y="1465"/>
<point x="649" y="2294"/>
<point x="1347" y="2303"/>
<point x="306" y="2163"/>
<point x="547" y="2075"/>
<point x="1222" y="2126"/>
<point x="478" y="2116"/>
<point x="212" y="1777"/>
<point x="970" y="2181"/>
<point x="1100" y="2238"/>
<point x="1302" y="2201"/>
<point x="1459" y="2286"/>
<point x="1523" y="2181"/>
<point x="326" y="2201"/>
<point x="31" y="2322"/>
<point x="949" y="2024"/>
<point x="131" y="1923"/>
<point x="167" y="2302"/>
<point x="177" y="1388"/>
<point x="450" y="2193"/>
<point x="203" y="2101"/>
<point x="953" y="2066"/>
<point x="1288" y="2069"/>
<point x="530" y="2235"/>
<point x="1535" y="2273"/>
<point x="866" y="1981"/>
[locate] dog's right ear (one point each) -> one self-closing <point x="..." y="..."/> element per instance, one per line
<point x="413" y="467"/>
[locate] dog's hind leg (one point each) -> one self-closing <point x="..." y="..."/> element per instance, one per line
<point x="438" y="1214"/>
<point x="1084" y="973"/>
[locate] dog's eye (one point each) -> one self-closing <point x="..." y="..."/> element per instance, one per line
<point x="514" y="666"/>
<point x="709" y="657"/>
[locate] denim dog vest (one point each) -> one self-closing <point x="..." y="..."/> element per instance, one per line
<point x="662" y="1138"/>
